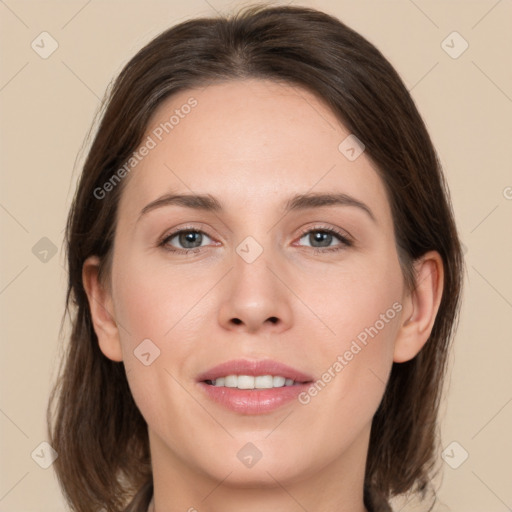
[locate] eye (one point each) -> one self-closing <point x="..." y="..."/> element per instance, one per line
<point x="321" y="238"/>
<point x="189" y="239"/>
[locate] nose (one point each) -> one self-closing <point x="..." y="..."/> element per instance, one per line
<point x="255" y="297"/>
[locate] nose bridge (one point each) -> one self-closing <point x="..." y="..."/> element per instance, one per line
<point x="251" y="274"/>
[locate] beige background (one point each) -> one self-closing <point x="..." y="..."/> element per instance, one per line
<point x="47" y="106"/>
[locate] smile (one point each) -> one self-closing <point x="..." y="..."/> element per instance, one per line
<point x="253" y="387"/>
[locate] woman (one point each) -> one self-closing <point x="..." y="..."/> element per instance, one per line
<point x="266" y="277"/>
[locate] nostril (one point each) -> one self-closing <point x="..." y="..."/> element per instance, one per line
<point x="272" y="319"/>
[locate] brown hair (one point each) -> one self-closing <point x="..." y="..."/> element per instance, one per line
<point x="98" y="431"/>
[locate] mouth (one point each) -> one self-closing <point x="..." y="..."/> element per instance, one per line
<point x="253" y="387"/>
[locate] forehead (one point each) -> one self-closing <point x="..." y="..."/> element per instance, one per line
<point x="248" y="142"/>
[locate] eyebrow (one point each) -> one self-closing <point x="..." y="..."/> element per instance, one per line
<point x="206" y="202"/>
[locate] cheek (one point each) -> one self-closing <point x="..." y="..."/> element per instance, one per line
<point x="153" y="301"/>
<point x="159" y="311"/>
<point x="154" y="312"/>
<point x="362" y="296"/>
<point x="363" y="311"/>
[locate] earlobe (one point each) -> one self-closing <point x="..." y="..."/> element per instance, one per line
<point x="422" y="305"/>
<point x="100" y="305"/>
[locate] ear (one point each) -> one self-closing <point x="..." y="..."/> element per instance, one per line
<point x="420" y="307"/>
<point x="100" y="304"/>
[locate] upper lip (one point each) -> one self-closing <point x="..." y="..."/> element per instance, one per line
<point x="254" y="368"/>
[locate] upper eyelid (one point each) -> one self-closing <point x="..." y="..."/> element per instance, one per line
<point x="338" y="231"/>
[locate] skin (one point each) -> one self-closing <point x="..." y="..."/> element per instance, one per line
<point x="252" y="144"/>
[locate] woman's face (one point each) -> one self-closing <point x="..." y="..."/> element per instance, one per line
<point x="264" y="274"/>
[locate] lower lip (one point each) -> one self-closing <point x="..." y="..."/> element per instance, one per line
<point x="253" y="401"/>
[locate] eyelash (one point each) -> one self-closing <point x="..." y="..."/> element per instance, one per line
<point x="345" y="241"/>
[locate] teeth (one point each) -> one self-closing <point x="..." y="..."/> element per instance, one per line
<point x="250" y="382"/>
<point x="231" y="381"/>
<point x="245" y="382"/>
<point x="278" y="382"/>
